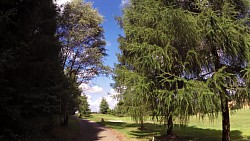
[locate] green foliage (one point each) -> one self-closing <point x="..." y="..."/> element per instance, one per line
<point x="155" y="56"/>
<point x="104" y="106"/>
<point x="134" y="100"/>
<point x="118" y="110"/>
<point x="226" y="46"/>
<point x="82" y="39"/>
<point x="84" y="109"/>
<point x="38" y="78"/>
<point x="30" y="67"/>
<point x="82" y="53"/>
<point x="183" y="58"/>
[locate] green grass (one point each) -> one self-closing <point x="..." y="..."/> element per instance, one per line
<point x="207" y="130"/>
<point x="196" y="130"/>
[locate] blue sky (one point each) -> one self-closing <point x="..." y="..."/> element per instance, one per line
<point x="100" y="87"/>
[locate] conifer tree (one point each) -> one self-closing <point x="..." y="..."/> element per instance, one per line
<point x="166" y="42"/>
<point x="155" y="48"/>
<point x="133" y="89"/>
<point x="30" y="67"/>
<point x="225" y="45"/>
<point x="104" y="106"/>
<point x="84" y="109"/>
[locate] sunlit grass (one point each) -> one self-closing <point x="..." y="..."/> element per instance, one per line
<point x="196" y="130"/>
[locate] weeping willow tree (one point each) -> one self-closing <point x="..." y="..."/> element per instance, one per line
<point x="160" y="45"/>
<point x="225" y="45"/>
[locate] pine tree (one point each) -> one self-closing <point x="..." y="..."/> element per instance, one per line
<point x="30" y="66"/>
<point x="104" y="106"/>
<point x="84" y="109"/>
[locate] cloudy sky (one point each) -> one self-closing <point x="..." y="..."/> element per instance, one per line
<point x="100" y="87"/>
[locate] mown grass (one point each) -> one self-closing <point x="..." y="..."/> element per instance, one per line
<point x="196" y="130"/>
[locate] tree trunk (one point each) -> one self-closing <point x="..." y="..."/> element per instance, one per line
<point x="225" y="120"/>
<point x="60" y="114"/>
<point x="66" y="120"/>
<point x="170" y="125"/>
<point x="224" y="102"/>
<point x="142" y="125"/>
<point x="66" y="116"/>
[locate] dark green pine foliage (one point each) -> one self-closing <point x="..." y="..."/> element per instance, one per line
<point x="119" y="109"/>
<point x="104" y="106"/>
<point x="84" y="109"/>
<point x="30" y="67"/>
<point x="159" y="58"/>
<point x="69" y="98"/>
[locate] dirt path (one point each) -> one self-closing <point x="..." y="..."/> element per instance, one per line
<point x="91" y="131"/>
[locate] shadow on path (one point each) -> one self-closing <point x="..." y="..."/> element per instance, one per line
<point x="88" y="131"/>
<point x="92" y="131"/>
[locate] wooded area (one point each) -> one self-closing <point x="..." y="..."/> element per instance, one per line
<point x="46" y="53"/>
<point x="179" y="58"/>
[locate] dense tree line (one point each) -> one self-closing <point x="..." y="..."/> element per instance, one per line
<point x="40" y="73"/>
<point x="183" y="58"/>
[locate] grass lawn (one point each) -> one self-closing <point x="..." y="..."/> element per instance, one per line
<point x="196" y="130"/>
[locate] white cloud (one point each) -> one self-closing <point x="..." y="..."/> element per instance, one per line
<point x="88" y="97"/>
<point x="113" y="92"/>
<point x="111" y="101"/>
<point x="61" y="2"/>
<point x="95" y="89"/>
<point x="86" y="88"/>
<point x="124" y="3"/>
<point x="108" y="44"/>
<point x="95" y="104"/>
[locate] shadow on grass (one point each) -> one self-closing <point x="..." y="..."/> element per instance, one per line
<point x="182" y="133"/>
<point x="192" y="133"/>
<point x="114" y="125"/>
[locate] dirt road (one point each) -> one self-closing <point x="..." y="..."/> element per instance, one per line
<point x="91" y="131"/>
